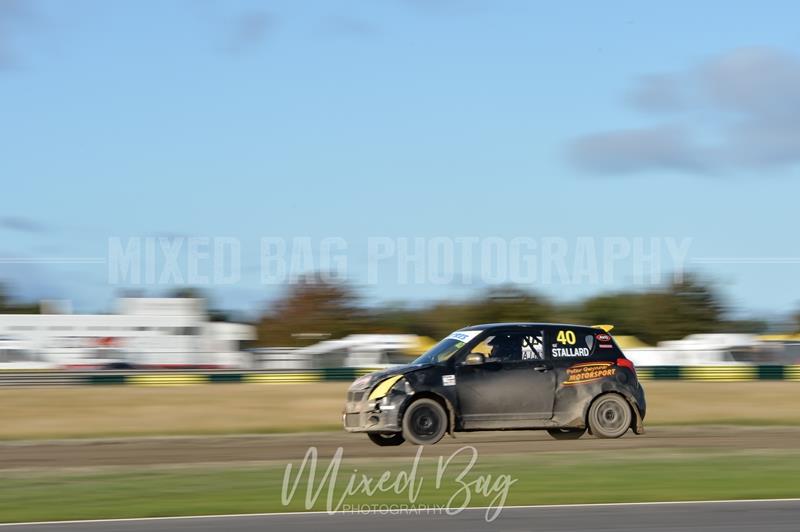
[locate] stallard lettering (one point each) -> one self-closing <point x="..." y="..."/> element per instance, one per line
<point x="455" y="479"/>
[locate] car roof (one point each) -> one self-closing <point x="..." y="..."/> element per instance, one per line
<point x="487" y="326"/>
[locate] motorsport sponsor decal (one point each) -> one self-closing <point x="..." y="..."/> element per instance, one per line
<point x="606" y="346"/>
<point x="603" y="337"/>
<point x="463" y="336"/>
<point x="448" y="380"/>
<point x="589" y="372"/>
<point x="562" y="352"/>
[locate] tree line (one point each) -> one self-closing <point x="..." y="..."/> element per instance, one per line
<point x="315" y="309"/>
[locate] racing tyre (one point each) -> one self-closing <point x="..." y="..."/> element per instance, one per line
<point x="386" y="439"/>
<point x="566" y="434"/>
<point x="424" y="422"/>
<point x="609" y="416"/>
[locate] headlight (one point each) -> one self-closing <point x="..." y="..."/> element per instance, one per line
<point x="361" y="382"/>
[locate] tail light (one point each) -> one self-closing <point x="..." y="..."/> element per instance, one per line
<point x="625" y="363"/>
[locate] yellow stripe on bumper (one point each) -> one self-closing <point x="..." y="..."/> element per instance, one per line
<point x="383" y="388"/>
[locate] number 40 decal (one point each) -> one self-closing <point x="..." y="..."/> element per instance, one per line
<point x="566" y="337"/>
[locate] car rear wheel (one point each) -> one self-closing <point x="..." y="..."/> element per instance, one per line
<point x="424" y="422"/>
<point x="566" y="434"/>
<point x="386" y="439"/>
<point x="609" y="416"/>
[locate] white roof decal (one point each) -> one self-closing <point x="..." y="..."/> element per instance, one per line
<point x="463" y="336"/>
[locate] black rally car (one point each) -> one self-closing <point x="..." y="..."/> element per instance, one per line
<point x="503" y="376"/>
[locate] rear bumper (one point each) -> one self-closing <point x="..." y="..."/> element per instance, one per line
<point x="640" y="408"/>
<point x="641" y="403"/>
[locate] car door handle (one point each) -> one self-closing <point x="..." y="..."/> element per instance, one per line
<point x="542" y="369"/>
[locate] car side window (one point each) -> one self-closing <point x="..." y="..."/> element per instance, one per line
<point x="533" y="345"/>
<point x="512" y="347"/>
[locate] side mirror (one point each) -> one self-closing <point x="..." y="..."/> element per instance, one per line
<point x="474" y="359"/>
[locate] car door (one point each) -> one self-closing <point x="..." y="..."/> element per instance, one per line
<point x="515" y="385"/>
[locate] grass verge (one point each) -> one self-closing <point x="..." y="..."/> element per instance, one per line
<point x="97" y="411"/>
<point x="546" y="478"/>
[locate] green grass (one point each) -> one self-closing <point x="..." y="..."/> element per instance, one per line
<point x="541" y="478"/>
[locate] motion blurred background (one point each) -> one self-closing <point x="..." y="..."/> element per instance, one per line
<point x="137" y="137"/>
<point x="218" y="214"/>
<point x="322" y="324"/>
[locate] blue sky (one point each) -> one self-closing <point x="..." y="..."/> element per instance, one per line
<point x="399" y="118"/>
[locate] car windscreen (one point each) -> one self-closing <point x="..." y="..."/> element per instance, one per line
<point x="447" y="347"/>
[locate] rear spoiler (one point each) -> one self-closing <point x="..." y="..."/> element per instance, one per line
<point x="606" y="328"/>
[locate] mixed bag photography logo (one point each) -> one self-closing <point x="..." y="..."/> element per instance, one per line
<point x="403" y="261"/>
<point x="446" y="484"/>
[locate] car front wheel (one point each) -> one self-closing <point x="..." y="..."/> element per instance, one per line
<point x="386" y="439"/>
<point x="609" y="416"/>
<point x="566" y="434"/>
<point x="424" y="422"/>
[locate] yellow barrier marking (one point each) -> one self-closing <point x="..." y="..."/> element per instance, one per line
<point x="792" y="373"/>
<point x="719" y="373"/>
<point x="168" y="380"/>
<point x="282" y="378"/>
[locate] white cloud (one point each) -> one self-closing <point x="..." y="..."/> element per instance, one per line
<point x="744" y="105"/>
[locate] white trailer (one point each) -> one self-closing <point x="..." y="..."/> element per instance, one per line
<point x="145" y="332"/>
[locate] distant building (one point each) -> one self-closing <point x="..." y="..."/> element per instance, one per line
<point x="716" y="348"/>
<point x="354" y="351"/>
<point x="145" y="332"/>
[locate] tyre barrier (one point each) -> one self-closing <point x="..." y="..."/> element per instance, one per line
<point x="176" y="377"/>
<point x="718" y="373"/>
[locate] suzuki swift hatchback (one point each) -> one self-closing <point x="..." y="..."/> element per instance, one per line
<point x="503" y="376"/>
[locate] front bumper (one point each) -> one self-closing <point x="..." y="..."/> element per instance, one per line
<point x="362" y="415"/>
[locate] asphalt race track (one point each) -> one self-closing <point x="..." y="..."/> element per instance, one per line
<point x="764" y="516"/>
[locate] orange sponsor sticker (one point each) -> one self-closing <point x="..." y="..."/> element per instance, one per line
<point x="589" y="371"/>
